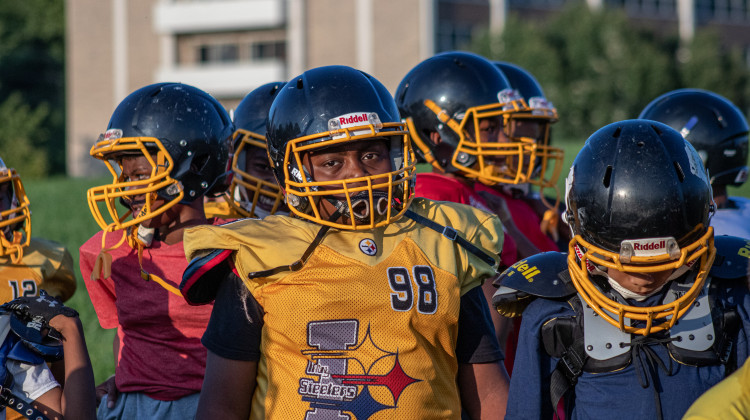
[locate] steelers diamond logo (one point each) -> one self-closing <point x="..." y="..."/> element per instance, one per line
<point x="368" y="247"/>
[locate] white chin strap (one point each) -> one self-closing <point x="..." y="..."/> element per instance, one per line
<point x="628" y="294"/>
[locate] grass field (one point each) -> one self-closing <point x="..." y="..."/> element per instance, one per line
<point x="60" y="213"/>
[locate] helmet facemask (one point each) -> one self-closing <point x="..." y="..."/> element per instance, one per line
<point x="649" y="255"/>
<point x="15" y="221"/>
<point x="160" y="184"/>
<point x="364" y="202"/>
<point x="517" y="160"/>
<point x="250" y="195"/>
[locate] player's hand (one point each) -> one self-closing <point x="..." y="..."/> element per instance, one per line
<point x="109" y="389"/>
<point x="45" y="310"/>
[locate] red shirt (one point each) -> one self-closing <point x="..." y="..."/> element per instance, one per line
<point x="524" y="217"/>
<point x="445" y="188"/>
<point x="160" y="349"/>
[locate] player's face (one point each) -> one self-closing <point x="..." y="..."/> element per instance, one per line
<point x="530" y="128"/>
<point x="137" y="168"/>
<point x="257" y="165"/>
<point x="348" y="161"/>
<point x="352" y="160"/>
<point x="641" y="283"/>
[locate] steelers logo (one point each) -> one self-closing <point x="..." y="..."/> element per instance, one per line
<point x="368" y="247"/>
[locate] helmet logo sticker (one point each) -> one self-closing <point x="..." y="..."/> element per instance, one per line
<point x="508" y="95"/>
<point x="113" y="134"/>
<point x="368" y="247"/>
<point x="649" y="247"/>
<point x="354" y="119"/>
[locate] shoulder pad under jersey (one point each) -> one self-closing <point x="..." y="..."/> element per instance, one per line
<point x="732" y="257"/>
<point x="542" y="275"/>
<point x="203" y="275"/>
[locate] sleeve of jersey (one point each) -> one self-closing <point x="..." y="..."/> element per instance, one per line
<point x="477" y="341"/>
<point x="488" y="235"/>
<point x="529" y="395"/>
<point x="102" y="291"/>
<point x="234" y="330"/>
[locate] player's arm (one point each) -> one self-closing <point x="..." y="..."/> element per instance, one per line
<point x="78" y="398"/>
<point x="482" y="379"/>
<point x="228" y="388"/>
<point x="484" y="389"/>
<point x="232" y="338"/>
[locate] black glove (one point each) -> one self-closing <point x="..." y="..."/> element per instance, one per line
<point x="35" y="312"/>
<point x="44" y="306"/>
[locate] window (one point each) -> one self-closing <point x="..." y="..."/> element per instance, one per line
<point x="220" y="53"/>
<point x="268" y="50"/>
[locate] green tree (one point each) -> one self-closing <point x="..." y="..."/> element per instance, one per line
<point x="599" y="66"/>
<point x="32" y="98"/>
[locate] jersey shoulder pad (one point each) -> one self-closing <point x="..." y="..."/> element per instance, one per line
<point x="203" y="275"/>
<point x="543" y="275"/>
<point x="732" y="257"/>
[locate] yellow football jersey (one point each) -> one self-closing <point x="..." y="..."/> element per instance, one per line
<point x="220" y="209"/>
<point x="368" y="327"/>
<point x="46" y="265"/>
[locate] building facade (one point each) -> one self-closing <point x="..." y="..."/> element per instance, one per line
<point x="229" y="47"/>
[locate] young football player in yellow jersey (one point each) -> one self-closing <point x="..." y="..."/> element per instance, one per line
<point x="28" y="264"/>
<point x="253" y="191"/>
<point x="364" y="303"/>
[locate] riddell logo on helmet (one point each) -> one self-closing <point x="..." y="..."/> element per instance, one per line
<point x="649" y="246"/>
<point x="353" y="119"/>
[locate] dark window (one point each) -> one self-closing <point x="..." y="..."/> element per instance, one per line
<point x="268" y="50"/>
<point x="218" y="53"/>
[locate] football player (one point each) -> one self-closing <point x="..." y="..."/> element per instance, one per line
<point x="365" y="301"/>
<point x="719" y="132"/>
<point x="647" y="306"/>
<point x="165" y="148"/>
<point x="253" y="191"/>
<point x="28" y="264"/>
<point x="528" y="126"/>
<point x="458" y="107"/>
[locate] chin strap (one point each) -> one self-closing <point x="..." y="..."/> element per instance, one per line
<point x="14" y="247"/>
<point x="103" y="264"/>
<point x="137" y="240"/>
<point x="140" y="240"/>
<point x="453" y="235"/>
<point x="295" y="266"/>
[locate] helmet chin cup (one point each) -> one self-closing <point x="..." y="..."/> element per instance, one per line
<point x="362" y="206"/>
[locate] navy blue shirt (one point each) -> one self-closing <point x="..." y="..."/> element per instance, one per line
<point x="617" y="394"/>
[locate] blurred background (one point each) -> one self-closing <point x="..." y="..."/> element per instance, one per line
<point x="66" y="64"/>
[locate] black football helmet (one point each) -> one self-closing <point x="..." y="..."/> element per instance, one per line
<point x="712" y="124"/>
<point x="15" y="215"/>
<point x="248" y="194"/>
<point x="638" y="200"/>
<point x="452" y="94"/>
<point x="329" y="106"/>
<point x="183" y="132"/>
